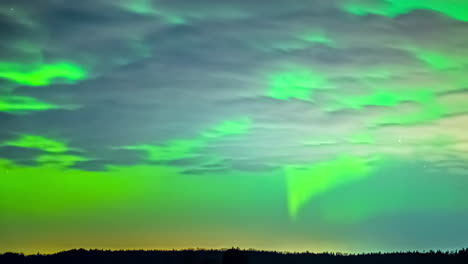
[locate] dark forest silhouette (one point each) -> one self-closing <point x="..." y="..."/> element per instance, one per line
<point x="231" y="256"/>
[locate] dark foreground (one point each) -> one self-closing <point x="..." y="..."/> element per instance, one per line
<point x="231" y="256"/>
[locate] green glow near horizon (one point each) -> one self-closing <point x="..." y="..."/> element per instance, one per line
<point x="38" y="142"/>
<point x="306" y="182"/>
<point x="26" y="193"/>
<point x="39" y="75"/>
<point x="453" y="8"/>
<point x="298" y="84"/>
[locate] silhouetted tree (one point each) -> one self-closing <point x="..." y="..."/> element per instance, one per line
<point x="234" y="256"/>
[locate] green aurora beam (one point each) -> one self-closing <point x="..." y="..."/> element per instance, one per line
<point x="306" y="182"/>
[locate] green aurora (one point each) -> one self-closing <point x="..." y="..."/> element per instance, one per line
<point x="332" y="126"/>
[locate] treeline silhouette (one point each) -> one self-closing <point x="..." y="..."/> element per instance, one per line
<point x="230" y="256"/>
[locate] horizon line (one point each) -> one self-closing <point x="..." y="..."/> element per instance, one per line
<point x="427" y="251"/>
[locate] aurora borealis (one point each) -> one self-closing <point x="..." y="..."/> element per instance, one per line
<point x="320" y="125"/>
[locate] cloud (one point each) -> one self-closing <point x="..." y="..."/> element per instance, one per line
<point x="188" y="148"/>
<point x="23" y="156"/>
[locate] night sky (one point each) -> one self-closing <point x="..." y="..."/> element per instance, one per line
<point x="320" y="125"/>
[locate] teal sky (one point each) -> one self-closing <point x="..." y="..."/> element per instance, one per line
<point x="304" y="125"/>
